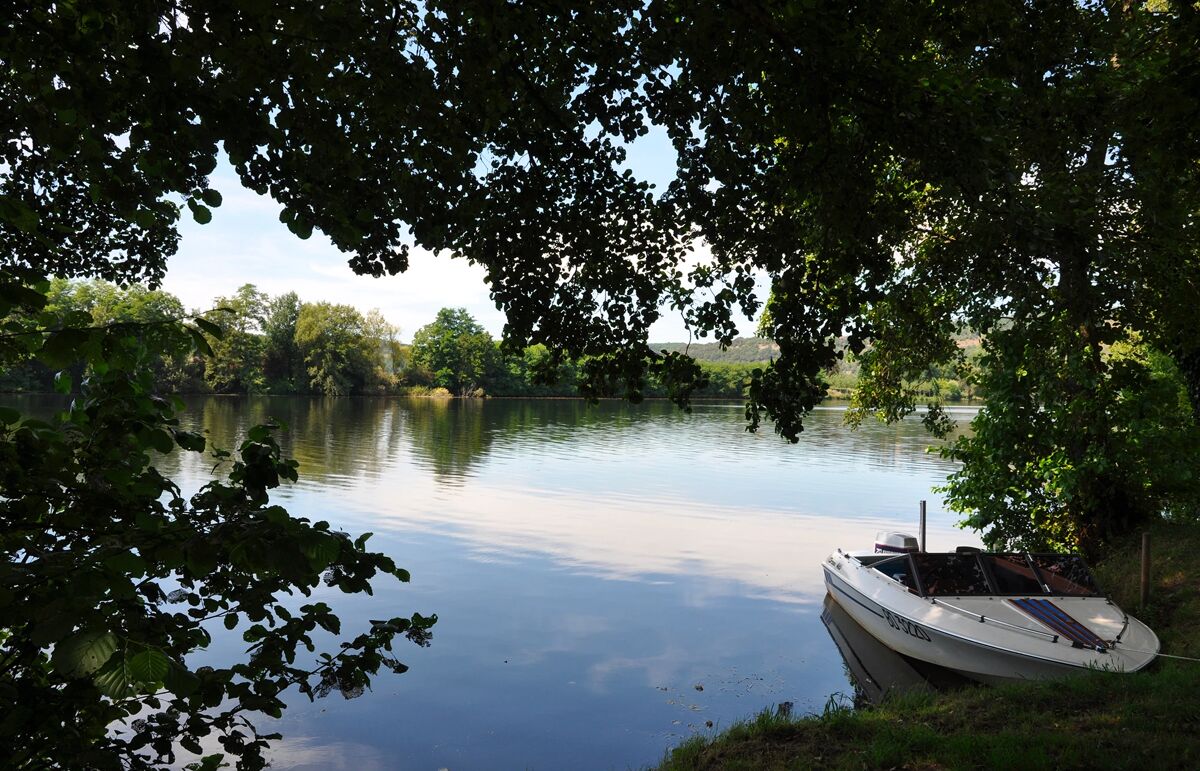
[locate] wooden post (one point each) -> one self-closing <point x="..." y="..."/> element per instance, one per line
<point x="1145" y="569"/>
<point x="922" y="531"/>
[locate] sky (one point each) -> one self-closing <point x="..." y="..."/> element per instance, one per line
<point x="245" y="243"/>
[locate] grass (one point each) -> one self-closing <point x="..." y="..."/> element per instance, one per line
<point x="1098" y="720"/>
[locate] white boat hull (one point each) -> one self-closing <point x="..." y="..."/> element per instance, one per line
<point x="951" y="635"/>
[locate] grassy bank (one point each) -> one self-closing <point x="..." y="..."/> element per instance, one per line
<point x="1144" y="720"/>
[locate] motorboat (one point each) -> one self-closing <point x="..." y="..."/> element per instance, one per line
<point x="876" y="671"/>
<point x="991" y="616"/>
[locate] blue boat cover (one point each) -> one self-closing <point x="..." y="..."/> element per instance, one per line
<point x="1061" y="622"/>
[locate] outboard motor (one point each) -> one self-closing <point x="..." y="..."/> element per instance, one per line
<point x="895" y="543"/>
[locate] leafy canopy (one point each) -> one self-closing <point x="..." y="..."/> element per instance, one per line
<point x="895" y="171"/>
<point x="889" y="168"/>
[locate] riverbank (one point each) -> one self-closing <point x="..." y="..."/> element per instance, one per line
<point x="1096" y="721"/>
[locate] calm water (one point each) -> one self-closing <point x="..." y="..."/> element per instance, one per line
<point x="608" y="579"/>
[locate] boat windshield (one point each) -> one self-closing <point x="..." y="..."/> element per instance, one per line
<point x="957" y="575"/>
<point x="1013" y="574"/>
<point x="900" y="569"/>
<point x="974" y="574"/>
<point x="1065" y="574"/>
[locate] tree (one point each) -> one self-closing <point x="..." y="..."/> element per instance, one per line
<point x="809" y="148"/>
<point x="109" y="303"/>
<point x="111" y="575"/>
<point x="236" y="363"/>
<point x="383" y="350"/>
<point x="282" y="362"/>
<point x="105" y="304"/>
<point x="335" y="350"/>
<point x="535" y="372"/>
<point x="456" y="349"/>
<point x="1025" y="170"/>
<point x="1056" y="241"/>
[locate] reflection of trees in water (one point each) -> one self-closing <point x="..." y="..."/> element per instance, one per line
<point x="347" y="437"/>
<point x="329" y="437"/>
<point x="515" y="416"/>
<point x="343" y="437"/>
<point x="450" y="436"/>
<point x="826" y="435"/>
<point x="351" y="437"/>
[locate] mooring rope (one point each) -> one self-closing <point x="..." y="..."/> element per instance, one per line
<point x="1152" y="653"/>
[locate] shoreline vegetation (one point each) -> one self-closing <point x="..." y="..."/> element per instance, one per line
<point x="285" y="346"/>
<point x="1095" y="721"/>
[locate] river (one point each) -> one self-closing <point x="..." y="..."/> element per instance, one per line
<point x="608" y="579"/>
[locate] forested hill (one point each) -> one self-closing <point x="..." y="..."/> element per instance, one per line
<point x="745" y="350"/>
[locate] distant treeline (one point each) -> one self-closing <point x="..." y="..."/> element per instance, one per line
<point x="744" y="350"/>
<point x="948" y="382"/>
<point x="283" y="345"/>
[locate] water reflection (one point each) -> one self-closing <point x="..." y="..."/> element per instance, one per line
<point x="875" y="670"/>
<point x="336" y="441"/>
<point x="612" y="491"/>
<point x="454" y="438"/>
<point x="450" y="436"/>
<point x="590" y="567"/>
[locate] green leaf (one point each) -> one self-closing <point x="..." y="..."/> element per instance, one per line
<point x="322" y="550"/>
<point x="90" y="21"/>
<point x="231" y="621"/>
<point x="301" y="227"/>
<point x="161" y="440"/>
<point x="65" y="346"/>
<point x="127" y="563"/>
<point x="62" y="382"/>
<point x="211" y="197"/>
<point x="149" y="666"/>
<point x="209" y="327"/>
<point x="201" y="213"/>
<point x="53" y="629"/>
<point x="254" y="633"/>
<point x="21" y="216"/>
<point x="114" y="680"/>
<point x="144" y="218"/>
<point x="83" y="654"/>
<point x="258" y="433"/>
<point x="210" y="763"/>
<point x="199" y="340"/>
<point x="22" y="296"/>
<point x="190" y="440"/>
<point x="361" y="541"/>
<point x="276" y="514"/>
<point x="180" y="681"/>
<point x="201" y="558"/>
<point x="9" y="416"/>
